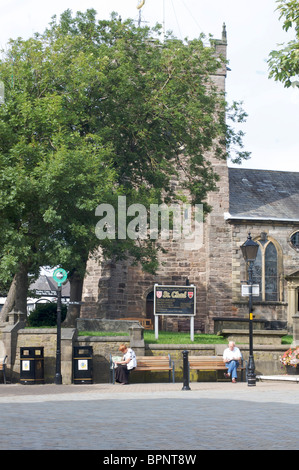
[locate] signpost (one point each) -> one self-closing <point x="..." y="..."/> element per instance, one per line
<point x="175" y="300"/>
<point x="255" y="290"/>
<point x="60" y="276"/>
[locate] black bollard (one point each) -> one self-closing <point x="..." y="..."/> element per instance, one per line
<point x="185" y="371"/>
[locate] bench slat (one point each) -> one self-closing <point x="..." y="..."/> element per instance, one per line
<point x="152" y="363"/>
<point x="209" y="363"/>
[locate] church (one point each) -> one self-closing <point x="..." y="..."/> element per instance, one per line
<point x="260" y="202"/>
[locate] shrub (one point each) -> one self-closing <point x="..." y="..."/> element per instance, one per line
<point x="46" y="315"/>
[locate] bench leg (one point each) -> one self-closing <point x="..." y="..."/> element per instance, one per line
<point x="4" y="375"/>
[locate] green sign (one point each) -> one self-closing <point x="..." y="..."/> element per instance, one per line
<point x="60" y="275"/>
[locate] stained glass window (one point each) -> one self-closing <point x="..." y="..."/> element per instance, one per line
<point x="257" y="272"/>
<point x="265" y="271"/>
<point x="271" y="283"/>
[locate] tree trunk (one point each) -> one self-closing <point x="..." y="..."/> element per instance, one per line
<point x="17" y="295"/>
<point x="73" y="311"/>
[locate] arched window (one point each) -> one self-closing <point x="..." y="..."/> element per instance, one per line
<point x="294" y="239"/>
<point x="267" y="269"/>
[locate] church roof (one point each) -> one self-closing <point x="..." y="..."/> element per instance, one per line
<point x="46" y="286"/>
<point x="263" y="195"/>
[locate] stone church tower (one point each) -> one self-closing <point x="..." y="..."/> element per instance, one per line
<point x="262" y="202"/>
<point x="119" y="290"/>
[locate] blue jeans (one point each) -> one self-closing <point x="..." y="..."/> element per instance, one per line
<point x="232" y="368"/>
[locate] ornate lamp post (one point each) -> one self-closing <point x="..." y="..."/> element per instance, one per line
<point x="249" y="251"/>
<point x="60" y="276"/>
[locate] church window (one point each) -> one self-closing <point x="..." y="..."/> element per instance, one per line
<point x="266" y="270"/>
<point x="295" y="240"/>
<point x="271" y="281"/>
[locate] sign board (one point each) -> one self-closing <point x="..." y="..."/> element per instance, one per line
<point x="82" y="364"/>
<point x="26" y="365"/>
<point x="175" y="300"/>
<point x="46" y="293"/>
<point x="255" y="290"/>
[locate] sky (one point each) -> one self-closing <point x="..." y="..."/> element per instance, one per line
<point x="253" y="31"/>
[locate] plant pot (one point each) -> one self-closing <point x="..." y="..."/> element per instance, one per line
<point x="292" y="370"/>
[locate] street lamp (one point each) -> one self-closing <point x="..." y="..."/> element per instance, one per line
<point x="60" y="276"/>
<point x="249" y="251"/>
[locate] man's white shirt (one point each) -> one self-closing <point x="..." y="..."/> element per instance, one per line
<point x="229" y="355"/>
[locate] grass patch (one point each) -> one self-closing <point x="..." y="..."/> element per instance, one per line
<point x="165" y="337"/>
<point x="288" y="339"/>
<point x="169" y="337"/>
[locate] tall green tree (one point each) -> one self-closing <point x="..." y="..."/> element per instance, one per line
<point x="93" y="110"/>
<point x="284" y="62"/>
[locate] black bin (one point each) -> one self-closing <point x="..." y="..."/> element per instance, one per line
<point x="82" y="365"/>
<point x="32" y="365"/>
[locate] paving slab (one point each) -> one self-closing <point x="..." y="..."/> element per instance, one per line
<point x="150" y="418"/>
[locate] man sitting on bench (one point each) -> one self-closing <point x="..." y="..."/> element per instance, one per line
<point x="231" y="356"/>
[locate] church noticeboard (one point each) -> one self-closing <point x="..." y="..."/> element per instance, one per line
<point x="174" y="300"/>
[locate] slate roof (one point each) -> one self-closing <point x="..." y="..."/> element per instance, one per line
<point x="263" y="194"/>
<point x="47" y="284"/>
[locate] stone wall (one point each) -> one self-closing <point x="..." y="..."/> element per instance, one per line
<point x="266" y="356"/>
<point x="46" y="338"/>
<point x="120" y="290"/>
<point x="287" y="260"/>
<point x="96" y="324"/>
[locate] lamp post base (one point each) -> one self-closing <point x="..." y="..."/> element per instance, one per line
<point x="251" y="381"/>
<point x="251" y="377"/>
<point x="185" y="371"/>
<point x="58" y="379"/>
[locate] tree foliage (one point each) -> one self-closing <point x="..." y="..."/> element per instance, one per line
<point x="284" y="63"/>
<point x="93" y="110"/>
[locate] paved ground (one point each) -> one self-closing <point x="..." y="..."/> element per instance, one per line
<point x="152" y="417"/>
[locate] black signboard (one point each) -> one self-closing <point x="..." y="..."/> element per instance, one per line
<point x="174" y="300"/>
<point x="46" y="293"/>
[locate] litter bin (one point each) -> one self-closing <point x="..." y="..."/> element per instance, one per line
<point x="82" y="365"/>
<point x="32" y="365"/>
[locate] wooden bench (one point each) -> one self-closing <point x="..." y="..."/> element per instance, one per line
<point x="3" y="367"/>
<point x="150" y="363"/>
<point x="211" y="363"/>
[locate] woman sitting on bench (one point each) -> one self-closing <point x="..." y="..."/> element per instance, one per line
<point x="124" y="367"/>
